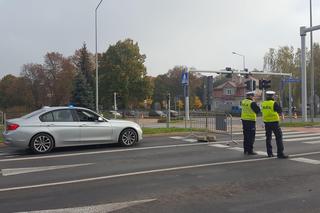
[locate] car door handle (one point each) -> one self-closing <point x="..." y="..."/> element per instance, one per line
<point x="50" y="125"/>
<point x="83" y="125"/>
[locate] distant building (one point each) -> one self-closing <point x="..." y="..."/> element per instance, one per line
<point x="229" y="94"/>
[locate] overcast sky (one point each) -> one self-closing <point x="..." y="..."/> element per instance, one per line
<point x="195" y="33"/>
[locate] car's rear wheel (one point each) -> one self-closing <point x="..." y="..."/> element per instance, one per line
<point x="128" y="137"/>
<point x="42" y="143"/>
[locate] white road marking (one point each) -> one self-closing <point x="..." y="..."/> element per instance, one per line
<point x="102" y="152"/>
<point x="284" y="134"/>
<point x="236" y="149"/>
<point x="261" y="153"/>
<point x="301" y="135"/>
<point x="262" y="132"/>
<point x="110" y="207"/>
<point x="241" y="150"/>
<point x="17" y="171"/>
<point x="301" y="139"/>
<point x="190" y="140"/>
<point x="145" y="172"/>
<point x="219" y="145"/>
<point x="150" y="172"/>
<point x="306" y="160"/>
<point x="177" y="137"/>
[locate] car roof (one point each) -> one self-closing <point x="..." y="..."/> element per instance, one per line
<point x="47" y="108"/>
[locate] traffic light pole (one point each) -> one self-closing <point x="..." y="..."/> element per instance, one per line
<point x="303" y="33"/>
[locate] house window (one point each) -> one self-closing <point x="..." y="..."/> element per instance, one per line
<point x="229" y="91"/>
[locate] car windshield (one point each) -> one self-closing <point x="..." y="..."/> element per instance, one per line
<point x="32" y="114"/>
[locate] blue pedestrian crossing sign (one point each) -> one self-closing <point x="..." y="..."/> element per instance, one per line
<point x="184" y="79"/>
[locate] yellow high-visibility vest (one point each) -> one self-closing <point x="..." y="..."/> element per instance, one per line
<point x="246" y="112"/>
<point x="268" y="113"/>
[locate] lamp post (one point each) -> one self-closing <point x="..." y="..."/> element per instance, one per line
<point x="96" y="56"/>
<point x="243" y="58"/>
<point x="311" y="68"/>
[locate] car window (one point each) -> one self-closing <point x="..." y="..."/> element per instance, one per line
<point x="37" y="112"/>
<point x="48" y="117"/>
<point x="86" y="116"/>
<point x="64" y="115"/>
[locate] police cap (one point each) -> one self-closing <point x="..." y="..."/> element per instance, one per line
<point x="270" y="92"/>
<point x="251" y="93"/>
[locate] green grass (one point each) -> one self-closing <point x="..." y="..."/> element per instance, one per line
<point x="299" y="124"/>
<point x="150" y="131"/>
<point x="1" y="130"/>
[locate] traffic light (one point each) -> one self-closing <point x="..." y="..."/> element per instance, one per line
<point x="168" y="96"/>
<point x="248" y="85"/>
<point x="267" y="84"/>
<point x="264" y="84"/>
<point x="229" y="75"/>
<point x="261" y="84"/>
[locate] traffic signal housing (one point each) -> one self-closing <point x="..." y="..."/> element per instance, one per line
<point x="264" y="84"/>
<point x="229" y="75"/>
<point x="250" y="85"/>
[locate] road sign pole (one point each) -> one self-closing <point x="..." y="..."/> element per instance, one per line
<point x="303" y="75"/>
<point x="186" y="105"/>
<point x="290" y="102"/>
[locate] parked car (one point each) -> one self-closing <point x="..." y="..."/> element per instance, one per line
<point x="173" y="113"/>
<point x="236" y="111"/>
<point x="157" y="113"/>
<point x="52" y="127"/>
<point x="115" y="113"/>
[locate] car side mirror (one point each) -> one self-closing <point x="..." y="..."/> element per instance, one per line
<point x="100" y="119"/>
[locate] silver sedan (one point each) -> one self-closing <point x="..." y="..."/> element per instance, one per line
<point x="50" y="127"/>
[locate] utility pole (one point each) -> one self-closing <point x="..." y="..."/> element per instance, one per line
<point x="97" y="67"/>
<point x="168" y="110"/>
<point x="312" y="68"/>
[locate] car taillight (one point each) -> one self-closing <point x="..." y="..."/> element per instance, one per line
<point x="11" y="127"/>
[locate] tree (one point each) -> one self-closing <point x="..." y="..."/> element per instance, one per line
<point x="122" y="70"/>
<point x="50" y="83"/>
<point x="83" y="62"/>
<point x="35" y="78"/>
<point x="171" y="82"/>
<point x="13" y="92"/>
<point x="60" y="73"/>
<point x="285" y="60"/>
<point x="82" y="96"/>
<point x="197" y="102"/>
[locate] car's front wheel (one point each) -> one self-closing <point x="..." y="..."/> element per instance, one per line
<point x="42" y="143"/>
<point x="128" y="137"/>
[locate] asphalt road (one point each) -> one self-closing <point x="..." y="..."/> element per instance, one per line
<point x="164" y="174"/>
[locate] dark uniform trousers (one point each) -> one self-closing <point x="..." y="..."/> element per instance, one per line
<point x="275" y="128"/>
<point x="249" y="133"/>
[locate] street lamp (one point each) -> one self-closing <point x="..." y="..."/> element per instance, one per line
<point x="243" y="58"/>
<point x="97" y="71"/>
<point x="312" y="68"/>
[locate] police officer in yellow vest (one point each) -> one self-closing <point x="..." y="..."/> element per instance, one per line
<point x="249" y="111"/>
<point x="271" y="112"/>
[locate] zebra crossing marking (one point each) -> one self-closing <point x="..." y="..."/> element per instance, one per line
<point x="219" y="145"/>
<point x="236" y="149"/>
<point x="263" y="132"/>
<point x="301" y="139"/>
<point x="285" y="133"/>
<point x="190" y="140"/>
<point x="306" y="160"/>
<point x="177" y="137"/>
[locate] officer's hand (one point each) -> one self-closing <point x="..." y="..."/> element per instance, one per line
<point x="282" y="116"/>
